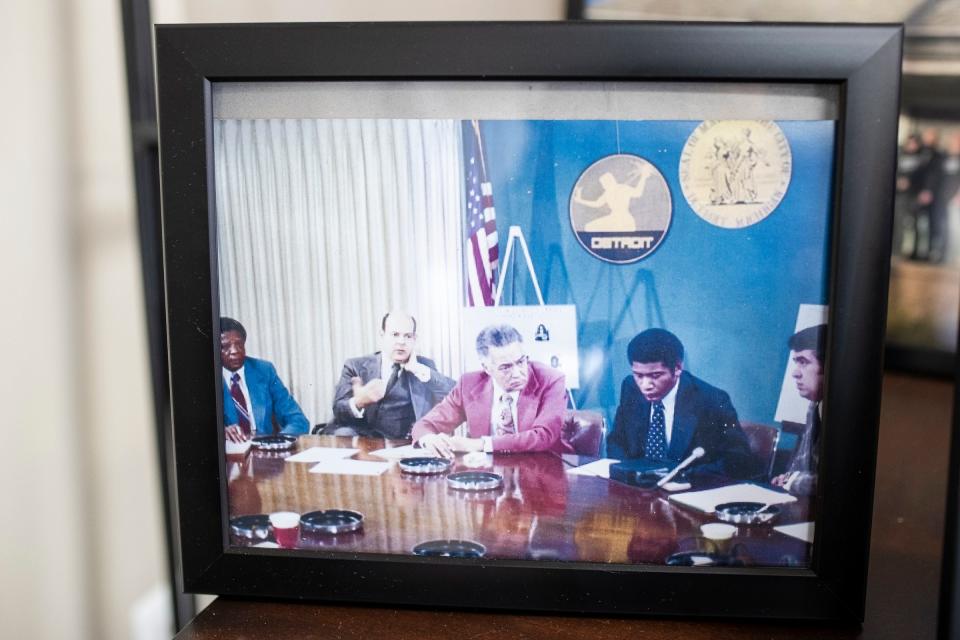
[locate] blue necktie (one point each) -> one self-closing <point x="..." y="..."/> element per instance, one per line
<point x="656" y="445"/>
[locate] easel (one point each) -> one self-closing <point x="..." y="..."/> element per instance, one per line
<point x="516" y="235"/>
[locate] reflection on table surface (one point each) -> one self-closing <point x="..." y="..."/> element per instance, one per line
<point x="540" y="513"/>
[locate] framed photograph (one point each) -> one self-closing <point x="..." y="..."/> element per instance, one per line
<point x="574" y="317"/>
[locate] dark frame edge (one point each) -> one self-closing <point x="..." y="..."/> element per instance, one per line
<point x="876" y="102"/>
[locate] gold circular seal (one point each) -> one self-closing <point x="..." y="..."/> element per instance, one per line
<point x="734" y="173"/>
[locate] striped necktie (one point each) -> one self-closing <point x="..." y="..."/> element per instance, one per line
<point x="240" y="402"/>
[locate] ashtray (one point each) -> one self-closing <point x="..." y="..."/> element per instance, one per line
<point x="450" y="549"/>
<point x="474" y="481"/>
<point x="424" y="466"/>
<point x="273" y="443"/>
<point x="331" y="521"/>
<point x="255" y="528"/>
<point x="746" y="512"/>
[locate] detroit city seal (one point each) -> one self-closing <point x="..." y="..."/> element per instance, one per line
<point x="734" y="173"/>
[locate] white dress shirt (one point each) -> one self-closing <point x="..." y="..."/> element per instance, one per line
<point x="228" y="378"/>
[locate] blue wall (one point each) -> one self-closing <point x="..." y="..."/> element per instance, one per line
<point x="730" y="295"/>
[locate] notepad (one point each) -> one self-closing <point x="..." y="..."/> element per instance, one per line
<point x="237" y="448"/>
<point x="599" y="468"/>
<point x="351" y="467"/>
<point x="707" y="501"/>
<point x="801" y="531"/>
<point x="319" y="454"/>
<point x="399" y="453"/>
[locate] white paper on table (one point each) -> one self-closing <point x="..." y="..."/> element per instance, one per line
<point x="351" y="467"/>
<point x="237" y="448"/>
<point x="599" y="468"/>
<point x="399" y="453"/>
<point x="320" y="454"/>
<point x="801" y="531"/>
<point x="707" y="501"/>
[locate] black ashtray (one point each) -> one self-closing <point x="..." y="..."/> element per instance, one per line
<point x="450" y="549"/>
<point x="253" y="528"/>
<point x="474" y="481"/>
<point x="746" y="512"/>
<point x="273" y="443"/>
<point x="424" y="466"/>
<point x="331" y="521"/>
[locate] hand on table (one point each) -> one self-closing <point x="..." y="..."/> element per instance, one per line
<point x="233" y="433"/>
<point x="447" y="446"/>
<point x="438" y="444"/>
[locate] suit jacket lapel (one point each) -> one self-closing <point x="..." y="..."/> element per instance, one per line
<point x="684" y="421"/>
<point x="478" y="405"/>
<point x="255" y="387"/>
<point x="418" y="395"/>
<point x="642" y="418"/>
<point x="372" y="370"/>
<point x="527" y="401"/>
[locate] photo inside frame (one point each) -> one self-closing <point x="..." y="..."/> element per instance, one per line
<point x="653" y="259"/>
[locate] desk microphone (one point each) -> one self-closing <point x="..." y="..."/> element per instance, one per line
<point x="696" y="453"/>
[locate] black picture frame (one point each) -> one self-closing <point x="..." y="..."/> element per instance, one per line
<point x="864" y="61"/>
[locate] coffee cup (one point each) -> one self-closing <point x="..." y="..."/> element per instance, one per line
<point x="720" y="534"/>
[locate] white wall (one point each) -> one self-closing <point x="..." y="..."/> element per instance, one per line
<point x="42" y="538"/>
<point x="79" y="455"/>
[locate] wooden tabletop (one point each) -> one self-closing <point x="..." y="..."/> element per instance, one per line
<point x="540" y="512"/>
<point x="902" y="588"/>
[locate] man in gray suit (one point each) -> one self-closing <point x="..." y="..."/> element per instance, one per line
<point x="384" y="393"/>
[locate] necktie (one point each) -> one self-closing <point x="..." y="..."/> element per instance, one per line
<point x="394" y="376"/>
<point x="656" y="445"/>
<point x="505" y="424"/>
<point x="240" y="403"/>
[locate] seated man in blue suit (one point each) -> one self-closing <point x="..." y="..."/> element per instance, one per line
<point x="255" y="402"/>
<point x="665" y="413"/>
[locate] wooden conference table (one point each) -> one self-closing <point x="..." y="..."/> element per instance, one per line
<point x="541" y="512"/>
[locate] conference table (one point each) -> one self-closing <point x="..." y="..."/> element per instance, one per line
<point x="541" y="512"/>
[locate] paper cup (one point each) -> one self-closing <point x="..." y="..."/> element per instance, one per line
<point x="720" y="534"/>
<point x="286" y="528"/>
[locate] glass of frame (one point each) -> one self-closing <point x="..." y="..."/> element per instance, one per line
<point x="451" y="304"/>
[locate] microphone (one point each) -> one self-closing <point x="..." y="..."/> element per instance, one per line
<point x="696" y="453"/>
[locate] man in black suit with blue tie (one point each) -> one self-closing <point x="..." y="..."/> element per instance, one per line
<point x="665" y="413"/>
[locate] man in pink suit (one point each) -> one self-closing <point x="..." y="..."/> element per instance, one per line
<point x="511" y="405"/>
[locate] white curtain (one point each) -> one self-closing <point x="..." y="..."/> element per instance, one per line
<point x="325" y="225"/>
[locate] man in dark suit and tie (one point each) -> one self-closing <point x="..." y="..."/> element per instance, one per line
<point x="665" y="413"/>
<point x="384" y="393"/>
<point x="807" y="351"/>
<point x="255" y="401"/>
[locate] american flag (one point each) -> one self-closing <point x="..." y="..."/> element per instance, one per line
<point x="482" y="253"/>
